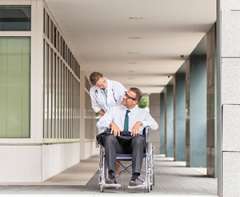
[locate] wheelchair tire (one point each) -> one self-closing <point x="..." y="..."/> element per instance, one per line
<point x="101" y="188"/>
<point x="153" y="183"/>
<point x="148" y="189"/>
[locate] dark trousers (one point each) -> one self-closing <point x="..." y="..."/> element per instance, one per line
<point x="124" y="145"/>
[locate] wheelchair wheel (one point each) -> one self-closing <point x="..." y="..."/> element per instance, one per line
<point x="101" y="188"/>
<point x="148" y="185"/>
<point x="153" y="182"/>
<point x="148" y="172"/>
<point x="101" y="170"/>
<point x="151" y="166"/>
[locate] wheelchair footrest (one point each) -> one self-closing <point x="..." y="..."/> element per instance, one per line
<point x="114" y="185"/>
<point x="137" y="186"/>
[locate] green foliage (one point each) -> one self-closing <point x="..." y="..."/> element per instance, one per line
<point x="144" y="102"/>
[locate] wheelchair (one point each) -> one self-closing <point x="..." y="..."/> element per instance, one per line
<point x="148" y="178"/>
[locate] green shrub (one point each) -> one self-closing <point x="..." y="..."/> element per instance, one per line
<point x="144" y="102"/>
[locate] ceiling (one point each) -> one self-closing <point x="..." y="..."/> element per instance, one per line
<point x="137" y="42"/>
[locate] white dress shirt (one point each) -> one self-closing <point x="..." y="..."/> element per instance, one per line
<point x="117" y="115"/>
<point x="105" y="99"/>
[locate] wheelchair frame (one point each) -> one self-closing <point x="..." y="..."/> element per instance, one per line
<point x="149" y="178"/>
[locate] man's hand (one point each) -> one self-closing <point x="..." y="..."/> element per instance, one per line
<point x="114" y="129"/>
<point x="136" y="128"/>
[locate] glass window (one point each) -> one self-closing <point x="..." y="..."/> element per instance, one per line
<point x="46" y="90"/>
<point x="71" y="105"/>
<point x="61" y="95"/>
<point x="14" y="87"/>
<point x="44" y="21"/>
<point x="54" y="36"/>
<point x="61" y="108"/>
<point x="57" y="35"/>
<point x="48" y="27"/>
<point x="50" y="95"/>
<point x="67" y="106"/>
<point x="52" y="31"/>
<point x="63" y="99"/>
<point x="15" y="18"/>
<point x="54" y="96"/>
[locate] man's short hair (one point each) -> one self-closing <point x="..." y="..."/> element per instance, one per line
<point x="137" y="92"/>
<point x="94" y="77"/>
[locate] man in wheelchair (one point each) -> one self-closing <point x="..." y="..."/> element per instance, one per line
<point x="121" y="131"/>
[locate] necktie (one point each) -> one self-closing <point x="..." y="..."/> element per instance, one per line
<point x="126" y="122"/>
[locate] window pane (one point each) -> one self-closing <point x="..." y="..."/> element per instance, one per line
<point x="14" y="87"/>
<point x="15" y="18"/>
<point x="46" y="90"/>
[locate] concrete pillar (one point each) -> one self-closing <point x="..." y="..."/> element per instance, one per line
<point x="229" y="60"/>
<point x="169" y="121"/>
<point x="154" y="100"/>
<point x="187" y="112"/>
<point x="179" y="117"/>
<point x="198" y="111"/>
<point x="36" y="125"/>
<point x="82" y="115"/>
<point x="165" y="120"/>
<point x="162" y="124"/>
<point x="174" y="118"/>
<point x="211" y="106"/>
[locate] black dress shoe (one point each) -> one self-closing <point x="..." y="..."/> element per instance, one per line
<point x="135" y="182"/>
<point x="111" y="180"/>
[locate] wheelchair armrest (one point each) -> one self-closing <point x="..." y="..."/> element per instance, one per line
<point x="146" y="131"/>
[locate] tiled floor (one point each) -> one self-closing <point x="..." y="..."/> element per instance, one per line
<point x="172" y="179"/>
<point x="77" y="175"/>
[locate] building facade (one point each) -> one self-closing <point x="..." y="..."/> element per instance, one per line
<point x="41" y="109"/>
<point x="46" y="121"/>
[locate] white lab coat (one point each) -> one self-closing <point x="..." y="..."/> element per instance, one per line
<point x="101" y="100"/>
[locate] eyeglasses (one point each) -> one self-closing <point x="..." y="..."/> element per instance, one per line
<point x="129" y="97"/>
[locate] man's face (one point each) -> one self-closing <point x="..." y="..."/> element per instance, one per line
<point x="129" y="99"/>
<point x="101" y="83"/>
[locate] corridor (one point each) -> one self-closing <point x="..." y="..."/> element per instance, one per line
<point x="172" y="178"/>
<point x="185" y="62"/>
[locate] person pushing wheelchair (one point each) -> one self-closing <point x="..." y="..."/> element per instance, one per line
<point x="123" y="126"/>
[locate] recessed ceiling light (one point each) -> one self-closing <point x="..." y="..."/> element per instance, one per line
<point x="133" y="53"/>
<point x="135" y="18"/>
<point x="135" y="37"/>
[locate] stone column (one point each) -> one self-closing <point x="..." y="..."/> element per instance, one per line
<point x="198" y="111"/>
<point x="82" y="115"/>
<point x="187" y="113"/>
<point x="36" y="118"/>
<point x="179" y="117"/>
<point x="155" y="112"/>
<point x="174" y="119"/>
<point x="229" y="60"/>
<point x="162" y="124"/>
<point x="165" y="120"/>
<point x="169" y="125"/>
<point x="211" y="118"/>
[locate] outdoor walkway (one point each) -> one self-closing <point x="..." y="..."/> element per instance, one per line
<point x="172" y="179"/>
